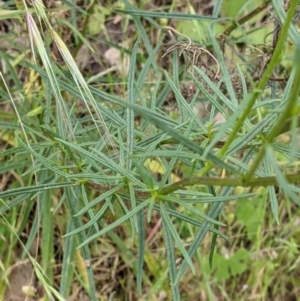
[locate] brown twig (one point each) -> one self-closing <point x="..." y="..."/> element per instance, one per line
<point x="244" y="19"/>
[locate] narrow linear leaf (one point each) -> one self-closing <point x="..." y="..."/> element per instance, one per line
<point x="115" y="224"/>
<point x="282" y="182"/>
<point x="171" y="258"/>
<point x="174" y="233"/>
<point x="131" y="96"/>
<point x="168" y="15"/>
<point x="37" y="188"/>
<point x="141" y="250"/>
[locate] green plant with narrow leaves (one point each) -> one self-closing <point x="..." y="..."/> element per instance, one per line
<point x="78" y="151"/>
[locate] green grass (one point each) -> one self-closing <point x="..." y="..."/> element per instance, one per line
<point x="171" y="174"/>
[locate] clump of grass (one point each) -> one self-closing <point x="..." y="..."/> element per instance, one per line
<point x="105" y="174"/>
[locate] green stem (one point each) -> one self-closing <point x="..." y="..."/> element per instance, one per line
<point x="195" y="180"/>
<point x="285" y="115"/>
<point x="264" y="80"/>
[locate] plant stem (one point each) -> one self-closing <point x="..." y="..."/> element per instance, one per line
<point x="246" y="18"/>
<point x="256" y="92"/>
<point x="276" y="130"/>
<point x="195" y="180"/>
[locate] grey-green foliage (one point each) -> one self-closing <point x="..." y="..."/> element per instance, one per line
<point x="90" y="169"/>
